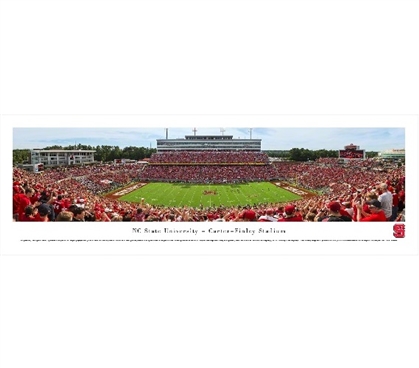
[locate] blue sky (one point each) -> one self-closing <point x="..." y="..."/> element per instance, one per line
<point x="371" y="139"/>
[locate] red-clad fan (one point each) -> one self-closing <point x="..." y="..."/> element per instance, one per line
<point x="291" y="215"/>
<point x="139" y="215"/>
<point x="58" y="204"/>
<point x="66" y="202"/>
<point x="401" y="199"/>
<point x="377" y="214"/>
<point x="369" y="196"/>
<point x="17" y="195"/>
<point x="248" y="215"/>
<point x="80" y="201"/>
<point x="29" y="214"/>
<point x="25" y="201"/>
<point x="36" y="197"/>
<point x="334" y="214"/>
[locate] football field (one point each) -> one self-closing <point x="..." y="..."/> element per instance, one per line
<point x="195" y="195"/>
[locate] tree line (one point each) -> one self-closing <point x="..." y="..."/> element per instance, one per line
<point x="109" y="153"/>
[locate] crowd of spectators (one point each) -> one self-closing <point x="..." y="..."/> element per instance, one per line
<point x="209" y="157"/>
<point x="213" y="174"/>
<point x="107" y="177"/>
<point x="361" y="191"/>
<point x="211" y="167"/>
<point x="316" y="176"/>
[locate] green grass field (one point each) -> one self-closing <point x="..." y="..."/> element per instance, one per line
<point x="177" y="195"/>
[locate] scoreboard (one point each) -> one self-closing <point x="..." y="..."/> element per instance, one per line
<point x="352" y="154"/>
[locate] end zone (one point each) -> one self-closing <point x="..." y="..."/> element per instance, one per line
<point x="128" y="189"/>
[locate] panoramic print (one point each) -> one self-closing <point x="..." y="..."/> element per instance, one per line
<point x="208" y="174"/>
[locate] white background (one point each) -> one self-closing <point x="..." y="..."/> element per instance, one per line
<point x="218" y="57"/>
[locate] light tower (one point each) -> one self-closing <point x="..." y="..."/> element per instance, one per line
<point x="250" y="131"/>
<point x="194" y="131"/>
<point x="222" y="130"/>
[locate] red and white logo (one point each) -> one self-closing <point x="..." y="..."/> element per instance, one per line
<point x="398" y="230"/>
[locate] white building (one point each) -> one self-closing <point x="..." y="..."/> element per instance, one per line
<point x="393" y="154"/>
<point x="62" y="157"/>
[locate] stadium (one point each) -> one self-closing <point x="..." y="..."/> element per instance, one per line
<point x="208" y="178"/>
